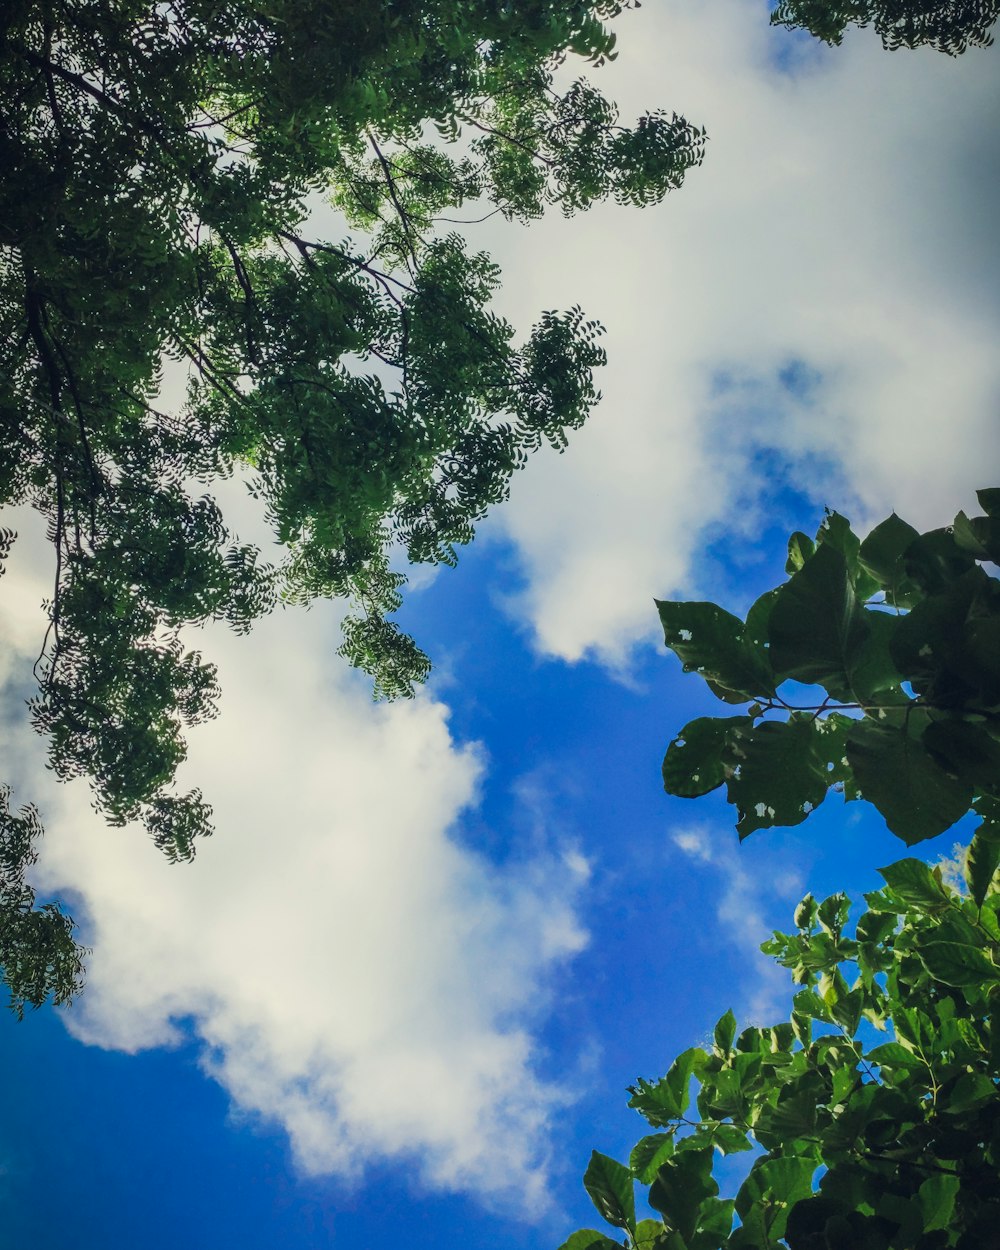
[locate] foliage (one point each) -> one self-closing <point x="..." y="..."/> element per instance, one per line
<point x="160" y="165"/>
<point x="902" y="633"/>
<point x="950" y="26"/>
<point x="40" y="958"/>
<point x="892" y="1146"/>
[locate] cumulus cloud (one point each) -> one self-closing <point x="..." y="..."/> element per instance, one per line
<point x="353" y="971"/>
<point x="817" y="305"/>
<point x="742" y="900"/>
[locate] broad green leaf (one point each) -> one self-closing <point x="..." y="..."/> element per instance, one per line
<point x="693" y="764"/>
<point x="971" y="1090"/>
<point x="667" y="1099"/>
<point x="915" y="884"/>
<point x="881" y="555"/>
<point x="981" y="862"/>
<point x="725" y="1033"/>
<point x="937" y="1200"/>
<point x="609" y="1184"/>
<point x="714" y="1224"/>
<point x="800" y="548"/>
<point x="835" y="531"/>
<point x="817" y="628"/>
<point x="772" y="1188"/>
<point x="966" y="750"/>
<point x="712" y="642"/>
<point x="647" y="1234"/>
<point x="681" y="1186"/>
<point x="989" y="500"/>
<point x="873" y="677"/>
<point x="934" y="560"/>
<point x="916" y="797"/>
<point x="777" y="773"/>
<point x="589" y="1239"/>
<point x="957" y="964"/>
<point x="648" y="1154"/>
<point x="893" y="1055"/>
<point x="730" y="1139"/>
<point x="805" y="913"/>
<point x="833" y="912"/>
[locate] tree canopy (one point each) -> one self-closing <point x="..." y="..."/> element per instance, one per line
<point x="161" y="167"/>
<point x="891" y="1146"/>
<point x="950" y="26"/>
<point x="900" y="633"/>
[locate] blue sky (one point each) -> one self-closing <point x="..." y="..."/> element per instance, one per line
<point x="401" y="992"/>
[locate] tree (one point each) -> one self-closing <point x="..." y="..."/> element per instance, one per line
<point x="903" y="1137"/>
<point x="901" y="634"/>
<point x="949" y="26"/>
<point x="160" y="162"/>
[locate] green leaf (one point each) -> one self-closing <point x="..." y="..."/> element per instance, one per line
<point x="805" y="913"/>
<point x="730" y="1139"/>
<point x="712" y="642"/>
<point x="937" y="1200"/>
<point x="681" y="1186"/>
<point x="916" y="885"/>
<point x="817" y="628"/>
<point x="725" y="1033"/>
<point x="693" y="764"/>
<point x="647" y="1234"/>
<point x="835" y="531"/>
<point x="934" y="561"/>
<point x="609" y="1184"/>
<point x="989" y="500"/>
<point x="668" y="1098"/>
<point x="648" y="1155"/>
<point x="714" y="1224"/>
<point x="589" y="1239"/>
<point x="916" y="797"/>
<point x="966" y="750"/>
<point x="955" y="963"/>
<point x="881" y="555"/>
<point x="800" y="548"/>
<point x="772" y="1188"/>
<point x="981" y="862"/>
<point x="873" y="676"/>
<point x="777" y="773"/>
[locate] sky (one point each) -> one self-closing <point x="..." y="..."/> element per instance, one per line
<point x="401" y="992"/>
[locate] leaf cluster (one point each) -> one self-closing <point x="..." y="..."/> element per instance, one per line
<point x="892" y="1146"/>
<point x="902" y="633"/>
<point x="39" y="958"/>
<point x="159" y="162"/>
<point x="949" y="26"/>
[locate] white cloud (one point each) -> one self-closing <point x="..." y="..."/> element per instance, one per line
<point x="353" y="971"/>
<point x="842" y="221"/>
<point x="741" y="901"/>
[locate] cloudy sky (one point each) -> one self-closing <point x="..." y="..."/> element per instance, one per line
<point x="400" y="994"/>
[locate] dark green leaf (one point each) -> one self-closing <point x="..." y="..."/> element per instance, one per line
<point x="966" y="750"/>
<point x="956" y="964"/>
<point x="873" y="676"/>
<point x="589" y="1239"/>
<point x="725" y="1033"/>
<point x="981" y="862"/>
<point x="609" y="1184"/>
<point x="817" y="628"/>
<point x="712" y="642"/>
<point x="800" y="548"/>
<point x="667" y="1099"/>
<point x="648" y="1154"/>
<point x="916" y="885"/>
<point x="681" y="1186"/>
<point x="882" y="555"/>
<point x="917" y="798"/>
<point x="937" y="1200"/>
<point x="693" y="764"/>
<point x="989" y="500"/>
<point x="771" y="1189"/>
<point x="777" y="773"/>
